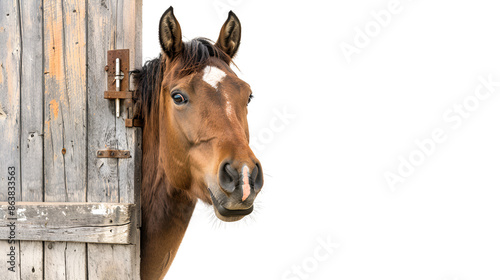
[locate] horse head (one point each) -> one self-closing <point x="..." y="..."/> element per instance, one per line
<point x="203" y="129"/>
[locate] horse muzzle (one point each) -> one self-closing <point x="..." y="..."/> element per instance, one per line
<point x="238" y="186"/>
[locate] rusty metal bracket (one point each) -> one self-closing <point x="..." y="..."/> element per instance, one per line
<point x="118" y="85"/>
<point x="112" y="94"/>
<point x="113" y="154"/>
<point x="118" y="76"/>
<point x="123" y="55"/>
<point x="134" y="123"/>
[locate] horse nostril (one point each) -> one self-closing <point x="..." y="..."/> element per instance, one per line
<point x="228" y="177"/>
<point x="257" y="177"/>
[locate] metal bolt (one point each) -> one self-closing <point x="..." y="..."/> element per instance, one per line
<point x="49" y="246"/>
<point x="63" y="151"/>
<point x="112" y="153"/>
<point x="106" y="68"/>
<point x="99" y="153"/>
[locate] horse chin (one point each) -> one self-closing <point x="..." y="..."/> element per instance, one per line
<point x="226" y="218"/>
<point x="228" y="215"/>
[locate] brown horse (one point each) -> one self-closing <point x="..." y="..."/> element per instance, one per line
<point x="195" y="139"/>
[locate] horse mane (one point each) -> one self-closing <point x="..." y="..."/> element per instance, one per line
<point x="195" y="56"/>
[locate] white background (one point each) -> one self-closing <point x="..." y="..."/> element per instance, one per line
<point x="353" y="122"/>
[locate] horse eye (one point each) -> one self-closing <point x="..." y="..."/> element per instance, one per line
<point x="250" y="98"/>
<point x="179" y="98"/>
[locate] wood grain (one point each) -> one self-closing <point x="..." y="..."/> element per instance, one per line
<point x="52" y="71"/>
<point x="108" y="30"/>
<point x="112" y="223"/>
<point x="32" y="126"/>
<point x="10" y="89"/>
<point x="65" y="132"/>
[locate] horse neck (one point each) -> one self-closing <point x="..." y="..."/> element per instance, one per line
<point x="160" y="199"/>
<point x="166" y="210"/>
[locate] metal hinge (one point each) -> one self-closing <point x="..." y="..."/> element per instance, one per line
<point x="113" y="154"/>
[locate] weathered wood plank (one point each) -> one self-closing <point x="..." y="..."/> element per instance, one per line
<point x="32" y="126"/>
<point x="130" y="172"/>
<point x="65" y="131"/>
<point x="120" y="234"/>
<point x="103" y="172"/>
<point x="78" y="222"/>
<point x="116" y="263"/>
<point x="65" y="100"/>
<point x="32" y="97"/>
<point x="10" y="84"/>
<point x="68" y="260"/>
<point x="113" y="24"/>
<point x="137" y="152"/>
<point x="32" y="260"/>
<point x="55" y="260"/>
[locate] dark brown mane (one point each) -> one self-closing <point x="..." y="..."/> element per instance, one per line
<point x="195" y="56"/>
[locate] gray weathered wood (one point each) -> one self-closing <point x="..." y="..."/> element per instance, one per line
<point x="129" y="172"/>
<point x="103" y="172"/>
<point x="112" y="24"/>
<point x="63" y="260"/>
<point x="78" y="222"/>
<point x="49" y="114"/>
<point x="10" y="82"/>
<point x="65" y="100"/>
<point x="32" y="101"/>
<point x="65" y="133"/>
<point x="32" y="126"/>
<point x="32" y="260"/>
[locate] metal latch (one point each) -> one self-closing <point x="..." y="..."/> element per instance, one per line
<point x="118" y="70"/>
<point x="118" y="88"/>
<point x="118" y="77"/>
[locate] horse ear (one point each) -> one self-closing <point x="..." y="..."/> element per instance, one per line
<point x="170" y="33"/>
<point x="230" y="35"/>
